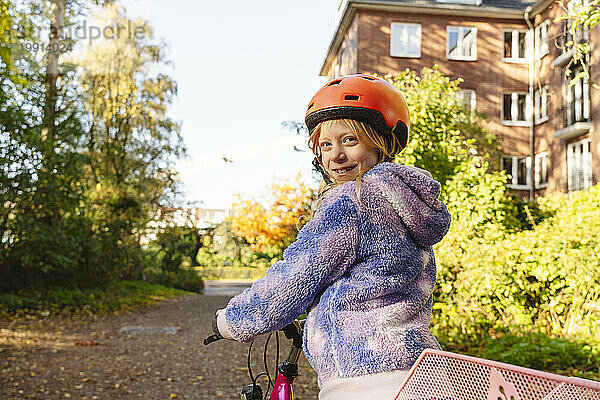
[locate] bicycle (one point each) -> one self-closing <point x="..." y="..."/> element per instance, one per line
<point x="281" y="385"/>
<point x="435" y="375"/>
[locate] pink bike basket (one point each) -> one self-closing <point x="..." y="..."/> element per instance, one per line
<point x="441" y="375"/>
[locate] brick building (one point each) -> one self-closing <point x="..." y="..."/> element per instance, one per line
<point x="512" y="58"/>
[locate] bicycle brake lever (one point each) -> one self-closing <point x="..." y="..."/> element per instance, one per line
<point x="292" y="331"/>
<point x="212" y="338"/>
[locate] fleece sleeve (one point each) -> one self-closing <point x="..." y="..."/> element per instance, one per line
<point x="323" y="250"/>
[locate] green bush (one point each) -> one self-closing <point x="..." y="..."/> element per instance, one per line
<point x="543" y="280"/>
<point x="184" y="278"/>
<point x="571" y="357"/>
<point x="11" y="302"/>
<point x="169" y="259"/>
<point x="230" y="272"/>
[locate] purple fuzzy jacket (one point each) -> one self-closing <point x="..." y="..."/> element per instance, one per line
<point x="365" y="272"/>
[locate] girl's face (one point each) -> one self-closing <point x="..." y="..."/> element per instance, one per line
<point x="342" y="155"/>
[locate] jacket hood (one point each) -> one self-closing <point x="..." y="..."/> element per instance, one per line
<point x="414" y="196"/>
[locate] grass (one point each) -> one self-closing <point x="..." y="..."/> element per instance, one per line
<point x="119" y="297"/>
<point x="571" y="357"/>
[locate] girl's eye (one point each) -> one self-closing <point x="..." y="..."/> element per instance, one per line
<point x="349" y="139"/>
<point x="325" y="144"/>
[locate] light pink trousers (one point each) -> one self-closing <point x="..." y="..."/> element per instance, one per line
<point x="383" y="386"/>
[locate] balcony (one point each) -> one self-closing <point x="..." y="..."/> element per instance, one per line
<point x="580" y="182"/>
<point x="575" y="120"/>
<point x="574" y="112"/>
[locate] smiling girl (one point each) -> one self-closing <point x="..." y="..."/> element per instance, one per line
<point x="363" y="267"/>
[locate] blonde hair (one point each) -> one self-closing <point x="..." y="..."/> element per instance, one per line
<point x="365" y="134"/>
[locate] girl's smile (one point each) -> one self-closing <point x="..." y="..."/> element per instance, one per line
<point x="343" y="155"/>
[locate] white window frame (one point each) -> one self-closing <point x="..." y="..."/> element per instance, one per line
<point x="513" y="180"/>
<point x="514" y="112"/>
<point x="541" y="40"/>
<point x="515" y="46"/>
<point x="579" y="95"/>
<point x="541" y="105"/>
<point x="459" y="43"/>
<point x="467" y="98"/>
<point x="472" y="2"/>
<point x="579" y="164"/>
<point x="406" y="39"/>
<point x="541" y="168"/>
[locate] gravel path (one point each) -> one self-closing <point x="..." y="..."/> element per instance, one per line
<point x="53" y="358"/>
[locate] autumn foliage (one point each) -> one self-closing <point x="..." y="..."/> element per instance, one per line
<point x="275" y="218"/>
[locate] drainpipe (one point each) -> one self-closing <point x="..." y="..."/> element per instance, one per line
<point x="532" y="116"/>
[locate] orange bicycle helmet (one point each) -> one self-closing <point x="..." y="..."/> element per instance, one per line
<point x="362" y="98"/>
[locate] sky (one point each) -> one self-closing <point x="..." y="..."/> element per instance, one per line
<point x="242" y="68"/>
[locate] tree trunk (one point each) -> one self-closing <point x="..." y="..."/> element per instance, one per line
<point x="49" y="121"/>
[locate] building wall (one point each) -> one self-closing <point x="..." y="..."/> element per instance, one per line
<point x="490" y="76"/>
<point x="594" y="64"/>
<point x="554" y="78"/>
<point x="346" y="60"/>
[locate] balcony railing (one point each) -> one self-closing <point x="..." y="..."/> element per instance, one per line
<point x="573" y="112"/>
<point x="580" y="182"/>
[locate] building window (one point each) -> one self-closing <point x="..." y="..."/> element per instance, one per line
<point x="579" y="164"/>
<point x="466" y="98"/>
<point x="518" y="170"/>
<point x="516" y="108"/>
<point x="515" y="46"/>
<point x="461" y="43"/>
<point x="565" y="41"/>
<point x="541" y="170"/>
<point x="577" y="108"/>
<point x="541" y="105"/>
<point x="541" y="40"/>
<point x="405" y="40"/>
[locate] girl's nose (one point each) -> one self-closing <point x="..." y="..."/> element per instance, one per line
<point x="338" y="154"/>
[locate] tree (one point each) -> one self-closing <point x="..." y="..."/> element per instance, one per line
<point x="582" y="16"/>
<point x="443" y="133"/>
<point x="277" y="218"/>
<point x="130" y="140"/>
<point x="71" y="212"/>
<point x="41" y="239"/>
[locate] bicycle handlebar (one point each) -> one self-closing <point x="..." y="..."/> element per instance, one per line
<point x="212" y="338"/>
<point x="291" y="331"/>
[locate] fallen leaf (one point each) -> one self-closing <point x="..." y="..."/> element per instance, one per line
<point x="87" y="343"/>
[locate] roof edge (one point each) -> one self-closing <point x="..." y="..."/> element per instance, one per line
<point x="442" y="9"/>
<point x="539" y="6"/>
<point x="351" y="6"/>
<point x="344" y="22"/>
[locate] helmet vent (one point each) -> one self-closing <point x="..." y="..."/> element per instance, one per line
<point x="369" y="78"/>
<point x="311" y="105"/>
<point x="351" y="97"/>
<point x="336" y="82"/>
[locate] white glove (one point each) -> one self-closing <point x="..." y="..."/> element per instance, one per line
<point x="222" y="324"/>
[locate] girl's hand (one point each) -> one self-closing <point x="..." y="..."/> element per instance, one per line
<point x="220" y="325"/>
<point x="220" y="329"/>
